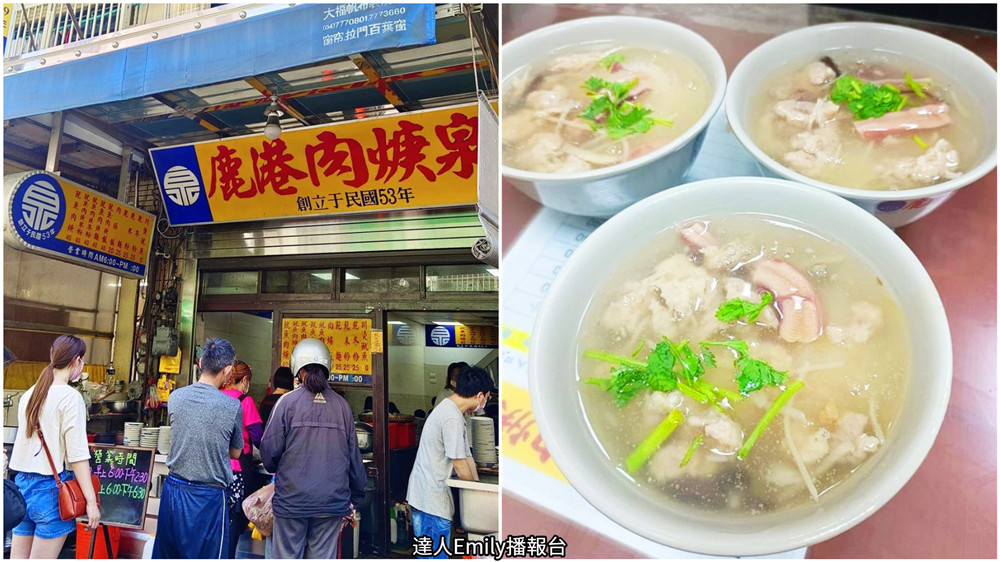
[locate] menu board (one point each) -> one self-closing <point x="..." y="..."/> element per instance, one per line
<point x="124" y="473"/>
<point x="349" y="341"/>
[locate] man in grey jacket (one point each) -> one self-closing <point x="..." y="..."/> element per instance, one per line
<point x="311" y="446"/>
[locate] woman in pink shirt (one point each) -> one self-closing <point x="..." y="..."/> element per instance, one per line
<point x="253" y="430"/>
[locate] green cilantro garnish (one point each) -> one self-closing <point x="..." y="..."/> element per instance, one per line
<point x="754" y="374"/>
<point x="648" y="447"/>
<point x="610" y="60"/>
<point x="738" y="309"/>
<point x="776" y="407"/>
<point x="672" y="366"/>
<point x="621" y="117"/>
<point x="914" y="86"/>
<point x="920" y="142"/>
<point x="691" y="449"/>
<point x="866" y="100"/>
<point x="751" y="374"/>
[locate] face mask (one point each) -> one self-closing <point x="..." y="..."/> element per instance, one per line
<point x="77" y="374"/>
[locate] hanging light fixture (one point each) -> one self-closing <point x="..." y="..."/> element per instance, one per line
<point x="272" y="130"/>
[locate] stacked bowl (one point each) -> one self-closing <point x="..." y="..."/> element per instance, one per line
<point x="133" y="434"/>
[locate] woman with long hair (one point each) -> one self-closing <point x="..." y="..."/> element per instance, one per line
<point x="244" y="472"/>
<point x="52" y="410"/>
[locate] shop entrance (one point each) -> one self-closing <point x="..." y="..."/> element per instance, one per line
<point x="420" y="348"/>
<point x="401" y="305"/>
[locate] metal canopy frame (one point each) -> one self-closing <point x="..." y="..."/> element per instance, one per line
<point x="362" y="85"/>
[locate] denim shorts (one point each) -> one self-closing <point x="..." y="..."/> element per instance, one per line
<point x="42" y="518"/>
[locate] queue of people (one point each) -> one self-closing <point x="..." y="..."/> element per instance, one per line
<point x="305" y="434"/>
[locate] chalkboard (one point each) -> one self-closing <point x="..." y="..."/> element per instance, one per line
<point x="125" y="475"/>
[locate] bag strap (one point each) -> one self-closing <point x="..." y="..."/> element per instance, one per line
<point x="55" y="473"/>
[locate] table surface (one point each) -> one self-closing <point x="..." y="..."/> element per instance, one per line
<point x="949" y="508"/>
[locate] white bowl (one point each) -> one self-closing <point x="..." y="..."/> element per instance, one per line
<point x="955" y="63"/>
<point x="605" y="191"/>
<point x="556" y="403"/>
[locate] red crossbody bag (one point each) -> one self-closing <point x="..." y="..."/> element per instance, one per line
<point x="72" y="502"/>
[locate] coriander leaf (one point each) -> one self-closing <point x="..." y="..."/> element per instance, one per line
<point x="708" y="358"/>
<point x="864" y="99"/>
<point x="738" y="309"/>
<point x="625" y="385"/>
<point x="610" y="108"/>
<point x="689" y="362"/>
<point x="594" y="84"/>
<point x="754" y="374"/>
<point x="610" y="60"/>
<point x="739" y="346"/>
<point x="660" y="368"/>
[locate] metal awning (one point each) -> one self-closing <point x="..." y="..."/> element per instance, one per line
<point x="360" y="85"/>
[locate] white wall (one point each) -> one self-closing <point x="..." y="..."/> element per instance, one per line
<point x="417" y="372"/>
<point x="53" y="283"/>
<point x="250" y="335"/>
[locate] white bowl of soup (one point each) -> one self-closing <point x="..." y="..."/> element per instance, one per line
<point x="829" y="378"/>
<point x="601" y="112"/>
<point x="894" y="119"/>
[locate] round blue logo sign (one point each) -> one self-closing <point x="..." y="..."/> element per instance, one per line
<point x="440" y="335"/>
<point x="404" y="335"/>
<point x="38" y="208"/>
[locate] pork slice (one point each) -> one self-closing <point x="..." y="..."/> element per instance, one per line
<point x="925" y="117"/>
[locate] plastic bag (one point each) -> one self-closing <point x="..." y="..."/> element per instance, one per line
<point x="257" y="507"/>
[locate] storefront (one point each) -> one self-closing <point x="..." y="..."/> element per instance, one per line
<point x="325" y="180"/>
<point x="264" y="305"/>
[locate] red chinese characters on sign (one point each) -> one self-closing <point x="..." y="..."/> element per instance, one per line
<point x="403" y="150"/>
<point x="519" y="425"/>
<point x="460" y="137"/>
<point x="334" y="159"/>
<point x="226" y="175"/>
<point x="348" y="341"/>
<point x="313" y="169"/>
<point x="271" y="168"/>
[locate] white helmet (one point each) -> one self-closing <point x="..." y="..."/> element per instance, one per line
<point x="310" y="352"/>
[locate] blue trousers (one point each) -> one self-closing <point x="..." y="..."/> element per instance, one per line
<point x="437" y="528"/>
<point x="193" y="521"/>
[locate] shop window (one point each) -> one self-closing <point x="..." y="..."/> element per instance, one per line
<point x="382" y="280"/>
<point x="462" y="278"/>
<point x="229" y="283"/>
<point x="315" y="281"/>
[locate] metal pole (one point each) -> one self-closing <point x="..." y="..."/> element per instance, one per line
<point x="27" y="28"/>
<point x="76" y="24"/>
<point x="55" y="142"/>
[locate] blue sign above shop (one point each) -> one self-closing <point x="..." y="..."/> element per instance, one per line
<point x="352" y="28"/>
<point x="484" y="337"/>
<point x="283" y="39"/>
